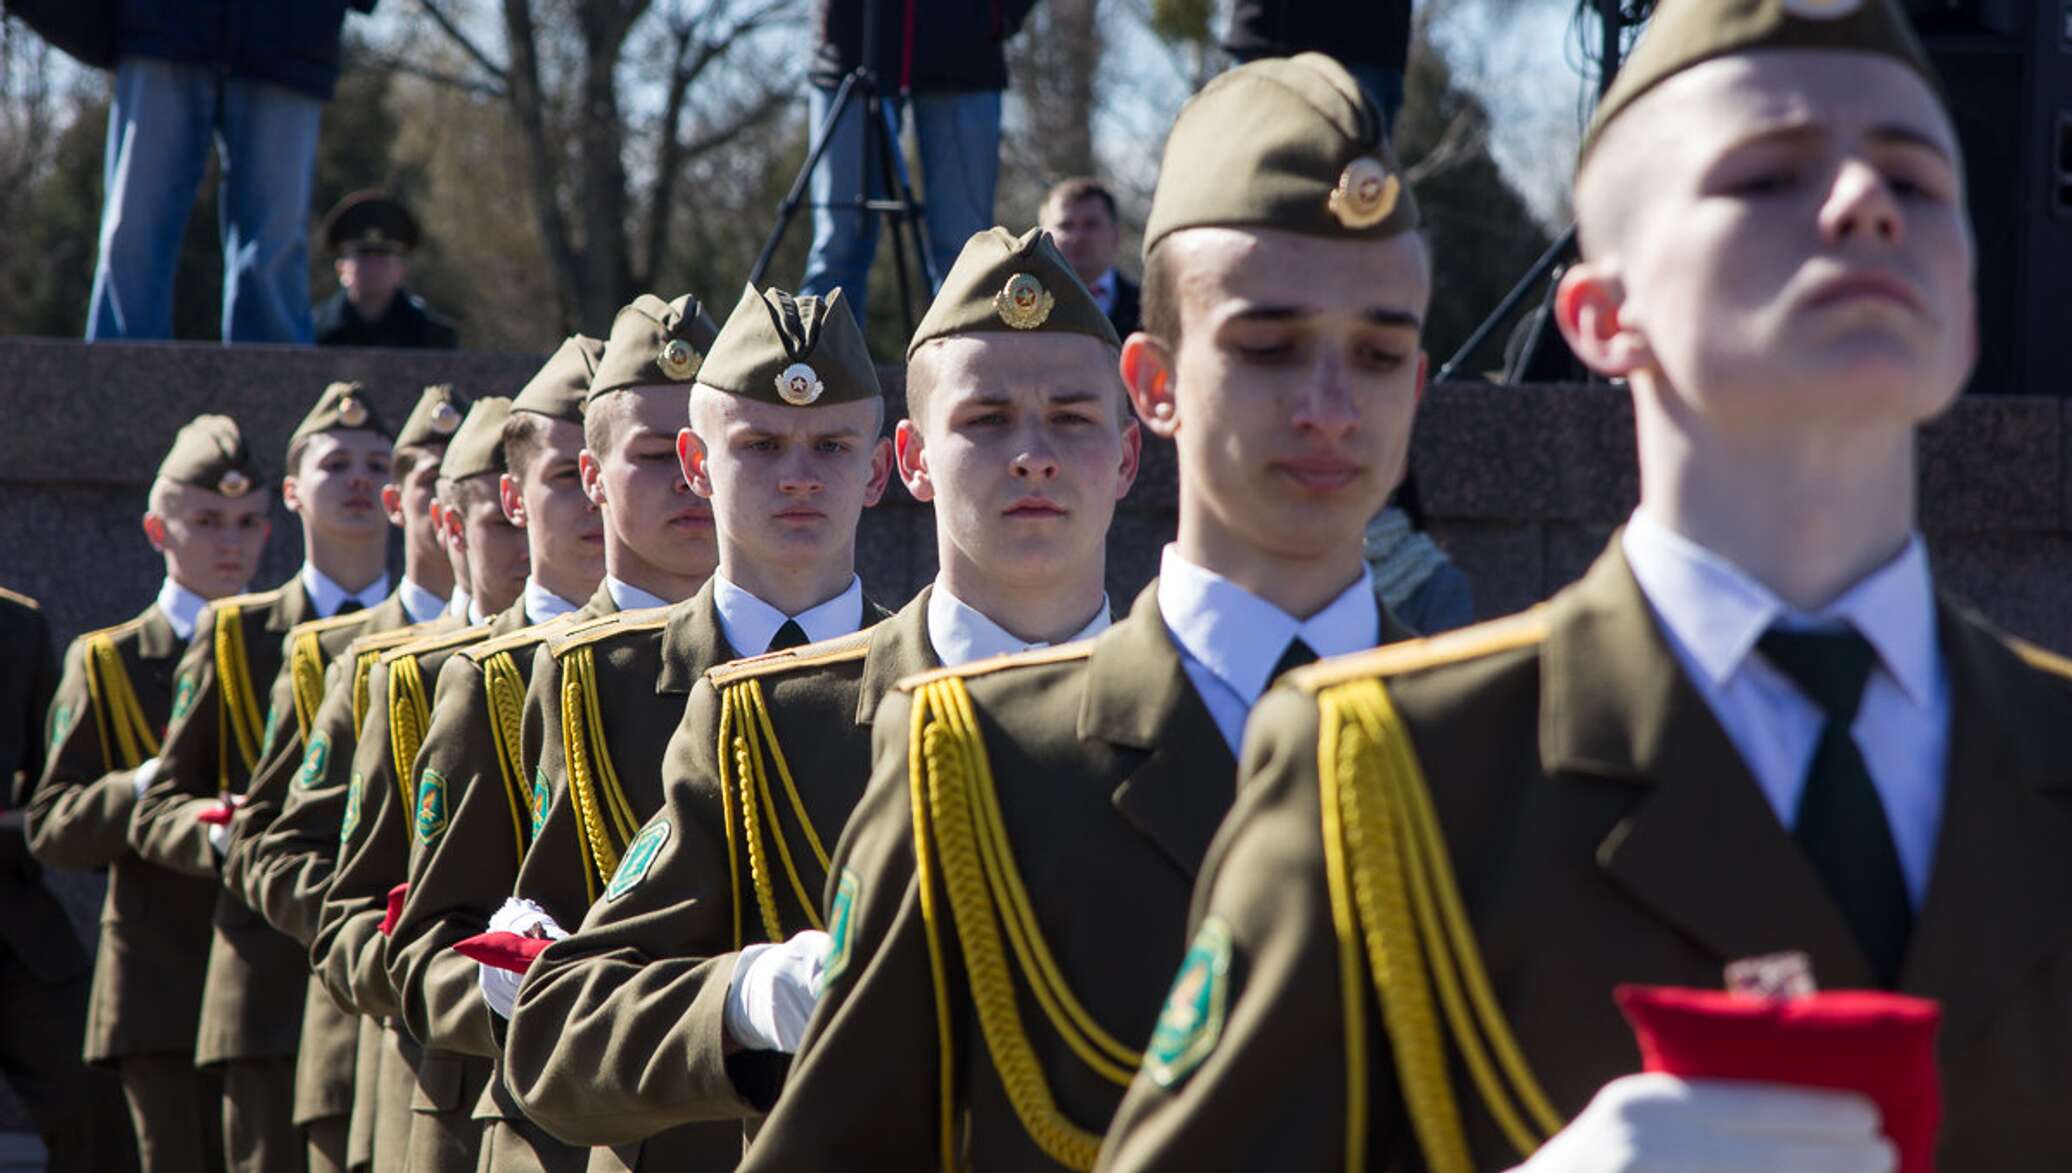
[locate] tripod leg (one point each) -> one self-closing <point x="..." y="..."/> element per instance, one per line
<point x="899" y="207"/>
<point x="789" y="209"/>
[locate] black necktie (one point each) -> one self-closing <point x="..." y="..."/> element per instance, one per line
<point x="1841" y="823"/>
<point x="347" y="607"/>
<point x="1297" y="655"/>
<point x="791" y="635"/>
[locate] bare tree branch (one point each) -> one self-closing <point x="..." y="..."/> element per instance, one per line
<point x="389" y="63"/>
<point x="460" y="38"/>
<point x="527" y="104"/>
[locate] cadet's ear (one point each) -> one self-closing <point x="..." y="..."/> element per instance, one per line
<point x="881" y="472"/>
<point x="1132" y="457"/>
<point x="1147" y="370"/>
<point x="508" y="496"/>
<point x="154" y="531"/>
<point x="908" y="450"/>
<point x="1590" y="307"/>
<point x="392" y="503"/>
<point x="690" y="455"/>
<point x="593" y="477"/>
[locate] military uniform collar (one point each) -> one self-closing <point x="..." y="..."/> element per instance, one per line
<point x="627" y="597"/>
<point x="1240" y="637"/>
<point x="462" y="604"/>
<point x="542" y="604"/>
<point x="180" y="606"/>
<point x="899" y="648"/>
<point x="692" y="641"/>
<point x="420" y="604"/>
<point x="750" y="624"/>
<point x="156" y="638"/>
<point x="326" y="596"/>
<point x="960" y="633"/>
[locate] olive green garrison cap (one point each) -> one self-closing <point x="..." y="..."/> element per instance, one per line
<point x="1288" y="142"/>
<point x="1004" y="284"/>
<point x="343" y="407"/>
<point x="1685" y="33"/>
<point x="209" y="452"/>
<point x="477" y="447"/>
<point x="799" y="351"/>
<point x="654" y="343"/>
<point x="435" y="418"/>
<point x="558" y="390"/>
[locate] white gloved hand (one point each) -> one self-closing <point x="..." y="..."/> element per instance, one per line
<point x="219" y="838"/>
<point x="774" y="991"/>
<point x="146" y="774"/>
<point x="1650" y="1123"/>
<point x="527" y="919"/>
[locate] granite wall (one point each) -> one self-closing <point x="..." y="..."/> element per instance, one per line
<point x="1523" y="484"/>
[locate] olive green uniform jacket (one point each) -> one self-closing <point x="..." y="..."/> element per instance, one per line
<point x="147" y="978"/>
<point x="1604" y="830"/>
<point x="1110" y="777"/>
<point x="638" y="994"/>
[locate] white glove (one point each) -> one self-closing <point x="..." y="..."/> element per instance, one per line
<point x="145" y="775"/>
<point x="219" y="838"/>
<point x="774" y="991"/>
<point x="1650" y="1123"/>
<point x="527" y="919"/>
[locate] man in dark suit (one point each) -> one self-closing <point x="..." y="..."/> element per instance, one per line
<point x="373" y="237"/>
<point x="1080" y="216"/>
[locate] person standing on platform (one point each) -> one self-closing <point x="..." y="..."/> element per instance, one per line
<point x="1080" y="215"/>
<point x="373" y="237"/>
<point x="1755" y="726"/>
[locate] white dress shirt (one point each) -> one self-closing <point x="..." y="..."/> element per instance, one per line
<point x="1230" y="639"/>
<point x="327" y="596"/>
<point x="750" y="624"/>
<point x="542" y="604"/>
<point x="1714" y="613"/>
<point x="462" y="605"/>
<point x="422" y="605"/>
<point x="182" y="607"/>
<point x="627" y="597"/>
<point x="960" y="634"/>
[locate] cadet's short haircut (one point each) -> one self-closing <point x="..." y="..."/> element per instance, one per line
<point x="600" y="421"/>
<point x="465" y="492"/>
<point x="525" y="438"/>
<point x="1161" y="296"/>
<point x="1083" y="187"/>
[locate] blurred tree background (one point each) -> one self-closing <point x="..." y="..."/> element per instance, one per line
<point x="565" y="155"/>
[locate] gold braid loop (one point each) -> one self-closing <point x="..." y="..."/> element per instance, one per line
<point x="503" y="687"/>
<point x="731" y="753"/>
<point x="409" y="713"/>
<point x="1383" y="846"/>
<point x="985" y="891"/>
<point x="597" y="848"/>
<point x="363" y="670"/>
<point x="306" y="680"/>
<point x="234" y="679"/>
<point x="115" y="703"/>
<point x="747" y="740"/>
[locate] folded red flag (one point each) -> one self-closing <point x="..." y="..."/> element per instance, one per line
<point x="503" y="950"/>
<point x="1877" y="1044"/>
<point x="395" y="908"/>
<point x="218" y="815"/>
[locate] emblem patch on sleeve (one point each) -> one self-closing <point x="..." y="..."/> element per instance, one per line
<point x="183" y="697"/>
<point x="273" y="730"/>
<point x="314" y="759"/>
<point x="840" y="921"/>
<point x="1192" y="1020"/>
<point x="350" y="821"/>
<point x="431" y="806"/>
<point x="539" y="800"/>
<point x="60" y="724"/>
<point x="640" y="856"/>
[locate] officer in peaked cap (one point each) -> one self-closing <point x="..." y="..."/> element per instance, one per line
<point x="372" y="236"/>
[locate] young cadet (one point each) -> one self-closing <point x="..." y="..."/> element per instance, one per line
<point x="324" y="1061"/>
<point x="1754" y="725"/>
<point x="658" y="546"/>
<point x="1019" y="434"/>
<point x="207" y="519"/>
<point x="1072" y="792"/>
<point x="251" y="1017"/>
<point x="784" y="440"/>
<point x="540" y="491"/>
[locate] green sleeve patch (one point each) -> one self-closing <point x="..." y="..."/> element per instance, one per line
<point x="539" y="801"/>
<point x="1192" y="1020"/>
<point x="354" y="792"/>
<point x="183" y="697"/>
<point x="60" y="724"/>
<point x="314" y="759"/>
<point x="840" y="922"/>
<point x="431" y="806"/>
<point x="273" y="730"/>
<point x="640" y="856"/>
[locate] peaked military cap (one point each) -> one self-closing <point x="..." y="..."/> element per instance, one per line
<point x="370" y="221"/>
<point x="1289" y="142"/>
<point x="654" y="342"/>
<point x="800" y="351"/>
<point x="343" y="407"/>
<point x="1004" y="284"/>
<point x="477" y="447"/>
<point x="559" y="389"/>
<point x="209" y="452"/>
<point x="436" y="417"/>
<point x="1690" y="32"/>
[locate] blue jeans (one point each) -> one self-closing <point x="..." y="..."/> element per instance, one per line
<point x="959" y="137"/>
<point x="165" y="118"/>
